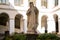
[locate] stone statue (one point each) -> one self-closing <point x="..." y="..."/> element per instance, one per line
<point x="32" y="17"/>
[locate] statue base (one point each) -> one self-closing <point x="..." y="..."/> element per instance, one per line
<point x="31" y="32"/>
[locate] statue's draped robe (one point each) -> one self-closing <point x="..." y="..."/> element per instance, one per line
<point x="32" y="15"/>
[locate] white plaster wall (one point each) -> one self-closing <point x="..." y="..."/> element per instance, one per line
<point x="11" y="13"/>
<point x="51" y="4"/>
<point x="23" y="9"/>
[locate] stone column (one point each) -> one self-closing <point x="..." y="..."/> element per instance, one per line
<point x="21" y="24"/>
<point x="51" y="24"/>
<point x="25" y="26"/>
<point x="7" y="28"/>
<point x="59" y="25"/>
<point x="12" y="25"/>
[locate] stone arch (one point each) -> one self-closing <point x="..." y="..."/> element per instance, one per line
<point x="56" y="22"/>
<point x="4" y="22"/>
<point x="44" y="22"/>
<point x="18" y="22"/>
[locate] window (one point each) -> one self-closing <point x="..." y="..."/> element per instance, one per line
<point x="18" y="2"/>
<point x="34" y="1"/>
<point x="44" y="3"/>
<point x="4" y="1"/>
<point x="56" y="2"/>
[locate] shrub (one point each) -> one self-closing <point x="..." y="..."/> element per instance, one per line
<point x="19" y="37"/>
<point x="45" y="36"/>
<point x="48" y="37"/>
<point x="7" y="38"/>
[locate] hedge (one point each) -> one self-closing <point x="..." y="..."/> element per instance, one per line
<point x="45" y="36"/>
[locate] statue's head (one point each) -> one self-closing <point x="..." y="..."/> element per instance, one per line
<point x="31" y="4"/>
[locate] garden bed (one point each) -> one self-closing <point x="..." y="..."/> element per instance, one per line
<point x="33" y="37"/>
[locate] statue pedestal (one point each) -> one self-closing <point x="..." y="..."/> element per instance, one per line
<point x="31" y="32"/>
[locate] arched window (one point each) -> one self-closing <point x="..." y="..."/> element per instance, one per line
<point x="18" y="2"/>
<point x="56" y="2"/>
<point x="56" y="23"/>
<point x="44" y="3"/>
<point x="4" y="1"/>
<point x="18" y="18"/>
<point x="19" y="23"/>
<point x="4" y="22"/>
<point x="4" y="18"/>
